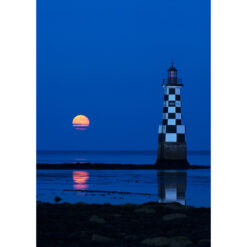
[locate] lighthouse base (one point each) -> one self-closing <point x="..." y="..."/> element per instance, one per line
<point x="172" y="156"/>
<point x="172" y="164"/>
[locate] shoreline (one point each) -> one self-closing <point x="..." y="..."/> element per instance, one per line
<point x="103" y="166"/>
<point x="148" y="224"/>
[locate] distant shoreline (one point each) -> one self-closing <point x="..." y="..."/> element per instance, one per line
<point x="102" y="166"/>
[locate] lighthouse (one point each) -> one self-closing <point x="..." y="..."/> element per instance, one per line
<point x="172" y="153"/>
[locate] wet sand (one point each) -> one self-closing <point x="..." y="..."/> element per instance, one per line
<point x="190" y="187"/>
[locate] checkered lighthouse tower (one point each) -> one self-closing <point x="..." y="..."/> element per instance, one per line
<point x="172" y="152"/>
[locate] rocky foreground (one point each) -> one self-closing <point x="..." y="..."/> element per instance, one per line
<point x="151" y="224"/>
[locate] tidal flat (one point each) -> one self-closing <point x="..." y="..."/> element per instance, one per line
<point x="148" y="224"/>
<point x="191" y="187"/>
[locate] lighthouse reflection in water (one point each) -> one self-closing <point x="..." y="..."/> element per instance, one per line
<point x="172" y="187"/>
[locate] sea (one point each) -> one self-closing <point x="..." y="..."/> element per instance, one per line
<point x="190" y="187"/>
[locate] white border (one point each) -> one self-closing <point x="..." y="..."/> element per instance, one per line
<point x="17" y="130"/>
<point x="17" y="99"/>
<point x="229" y="137"/>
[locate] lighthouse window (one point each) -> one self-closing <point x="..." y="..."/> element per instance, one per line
<point x="172" y="91"/>
<point x="178" y="109"/>
<point x="177" y="97"/>
<point x="172" y="103"/>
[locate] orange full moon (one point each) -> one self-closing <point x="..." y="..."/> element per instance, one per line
<point x="80" y="122"/>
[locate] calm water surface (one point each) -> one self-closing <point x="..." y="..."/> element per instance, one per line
<point x="191" y="187"/>
<point x="125" y="186"/>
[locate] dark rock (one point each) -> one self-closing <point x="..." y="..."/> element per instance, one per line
<point x="172" y="217"/>
<point x="101" y="239"/>
<point x="74" y="235"/>
<point x="57" y="199"/>
<point x="130" y="225"/>
<point x="145" y="210"/>
<point x="96" y="219"/>
<point x="180" y="242"/>
<point x="129" y="205"/>
<point x="81" y="204"/>
<point x="130" y="238"/>
<point x="176" y="207"/>
<point x="60" y="242"/>
<point x="204" y="243"/>
<point x="158" y="241"/>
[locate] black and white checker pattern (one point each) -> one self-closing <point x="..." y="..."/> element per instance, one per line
<point x="172" y="129"/>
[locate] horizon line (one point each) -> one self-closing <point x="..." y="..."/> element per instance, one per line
<point x="110" y="150"/>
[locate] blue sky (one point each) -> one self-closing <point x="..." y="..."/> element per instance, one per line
<point x="106" y="60"/>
